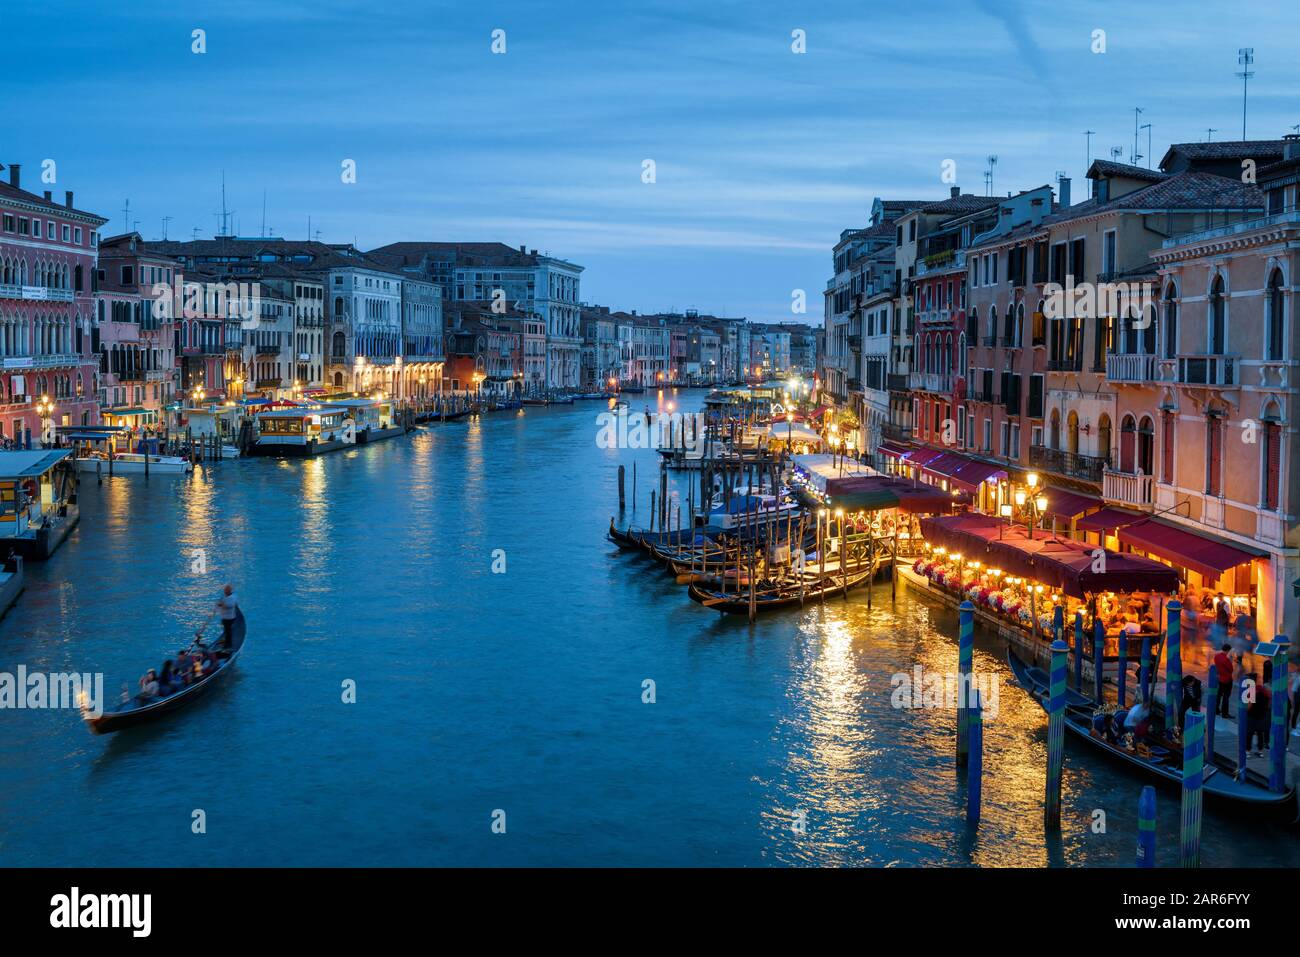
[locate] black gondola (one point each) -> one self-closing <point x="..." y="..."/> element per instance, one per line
<point x="1164" y="759"/>
<point x="767" y="598"/>
<point x="140" y="709"/>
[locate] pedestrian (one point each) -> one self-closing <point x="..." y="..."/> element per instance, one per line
<point x="1293" y="699"/>
<point x="1223" y="665"/>
<point x="1258" y="715"/>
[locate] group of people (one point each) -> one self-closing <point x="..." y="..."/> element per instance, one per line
<point x="1259" y="710"/>
<point x="196" y="662"/>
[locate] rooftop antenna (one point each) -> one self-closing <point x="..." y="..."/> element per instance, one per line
<point x="126" y="215"/>
<point x="225" y="213"/>
<point x="1117" y="152"/>
<point x="263" y="232"/>
<point x="1137" y="112"/>
<point x="1245" y="57"/>
<point x="194" y="235"/>
<point x="1147" y="127"/>
<point x="1209" y="133"/>
<point x="1087" y="148"/>
<point x="988" y="175"/>
<point x="166" y="220"/>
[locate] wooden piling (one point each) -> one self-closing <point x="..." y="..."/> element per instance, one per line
<point x="1193" y="778"/>
<point x="965" y="661"/>
<point x="1122" y="681"/>
<point x="620" y="487"/>
<point x="1078" y="650"/>
<point x="1146" y="844"/>
<point x="1144" y="671"/>
<point x="975" y="772"/>
<point x="1098" y="660"/>
<point x="1055" y="735"/>
<point x="1173" y="664"/>
<point x="1243" y="729"/>
<point x="1278" y="733"/>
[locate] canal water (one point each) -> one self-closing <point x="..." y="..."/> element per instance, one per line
<point x="519" y="692"/>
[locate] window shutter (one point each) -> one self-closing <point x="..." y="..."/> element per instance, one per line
<point x="1215" y="442"/>
<point x="1167" y="449"/>
<point x="1273" y="466"/>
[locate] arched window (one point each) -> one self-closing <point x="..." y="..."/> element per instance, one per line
<point x="1171" y="322"/>
<point x="1127" y="443"/>
<point x="1218" y="324"/>
<point x="1072" y="432"/>
<point x="1055" y="429"/>
<point x="1274" y="341"/>
<point x="993" y="324"/>
<point x="1270" y="464"/>
<point x="1019" y="339"/>
<point x="1103" y="437"/>
<point x="1146" y="437"/>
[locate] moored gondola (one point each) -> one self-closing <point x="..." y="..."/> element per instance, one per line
<point x="140" y="709"/>
<point x="1159" y="757"/>
<point x="786" y="594"/>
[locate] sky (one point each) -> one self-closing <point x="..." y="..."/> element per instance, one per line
<point x="761" y="154"/>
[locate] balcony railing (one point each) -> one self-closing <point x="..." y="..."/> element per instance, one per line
<point x="36" y="293"/>
<point x="1130" y="368"/>
<point x="984" y="395"/>
<point x="896" y="382"/>
<point x="1070" y="464"/>
<point x="854" y="385"/>
<point x="1128" y="489"/>
<point x="950" y="259"/>
<point x="264" y="349"/>
<point x="935" y="317"/>
<point x="19" y="363"/>
<point x="931" y="381"/>
<point x="899" y="433"/>
<point x="1218" y="370"/>
<point x="989" y="341"/>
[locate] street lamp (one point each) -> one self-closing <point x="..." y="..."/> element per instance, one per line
<point x="45" y="409"/>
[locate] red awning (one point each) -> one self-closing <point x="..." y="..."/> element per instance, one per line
<point x="1107" y="520"/>
<point x="818" y="412"/>
<point x="974" y="472"/>
<point x="945" y="464"/>
<point x="1065" y="563"/>
<point x="922" y="456"/>
<point x="892" y="450"/>
<point x="1066" y="504"/>
<point x="1200" y="553"/>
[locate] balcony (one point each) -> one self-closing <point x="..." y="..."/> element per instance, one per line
<point x="1089" y="468"/>
<point x="22" y="363"/>
<point x="272" y="383"/>
<point x="855" y="343"/>
<point x="942" y="261"/>
<point x="268" y="350"/>
<point x="896" y="382"/>
<point x="931" y="381"/>
<point x="1130" y="368"/>
<point x="896" y="432"/>
<point x="1136" y="491"/>
<point x="1208" y="370"/>
<point x="854" y="385"/>
<point x="935" y="317"/>
<point x="989" y="341"/>
<point x="35" y="293"/>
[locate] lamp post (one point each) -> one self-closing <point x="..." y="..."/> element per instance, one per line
<point x="45" y="410"/>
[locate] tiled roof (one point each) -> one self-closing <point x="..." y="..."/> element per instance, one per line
<point x="23" y="196"/>
<point x="1100" y="168"/>
<point x="463" y="254"/>
<point x="1257" y="150"/>
<point x="965" y="203"/>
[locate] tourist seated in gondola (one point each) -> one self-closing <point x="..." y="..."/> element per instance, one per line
<point x="168" y="680"/>
<point x="184" y="666"/>
<point x="149" y="684"/>
<point x="1138" y="722"/>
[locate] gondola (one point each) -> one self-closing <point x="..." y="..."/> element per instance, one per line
<point x="1165" y="760"/>
<point x="140" y="710"/>
<point x="784" y="595"/>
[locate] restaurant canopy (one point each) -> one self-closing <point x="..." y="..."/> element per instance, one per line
<point x="821" y="468"/>
<point x="893" y="450"/>
<point x="1065" y="564"/>
<point x="789" y="431"/>
<point x="1200" y="553"/>
<point x="30" y="464"/>
<point x="868" y="493"/>
<point x="1066" y="504"/>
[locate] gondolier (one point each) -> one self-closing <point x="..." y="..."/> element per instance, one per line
<point x="227" y="606"/>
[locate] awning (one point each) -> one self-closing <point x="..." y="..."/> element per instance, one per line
<point x="30" y="463"/>
<point x="128" y="412"/>
<point x="891" y="449"/>
<point x="1200" y="553"/>
<point x="1107" y="520"/>
<point x="921" y="456"/>
<point x="869" y="493"/>
<point x="1066" y="504"/>
<point x="945" y="465"/>
<point x="1063" y="563"/>
<point x="819" y="411"/>
<point x="974" y="472"/>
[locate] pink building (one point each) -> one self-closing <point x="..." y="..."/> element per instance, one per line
<point x="47" y="311"/>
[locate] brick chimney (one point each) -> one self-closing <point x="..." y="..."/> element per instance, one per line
<point x="67" y="198"/>
<point x="47" y="196"/>
<point x="955" y="192"/>
<point x="1064" y="192"/>
<point x="1291" y="146"/>
<point x="15" y="175"/>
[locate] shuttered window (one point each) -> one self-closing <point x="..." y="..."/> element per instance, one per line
<point x="1272" y="465"/>
<point x="1167" y="424"/>
<point x="1213" y="455"/>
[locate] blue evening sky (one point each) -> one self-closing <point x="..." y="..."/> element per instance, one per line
<point x="762" y="155"/>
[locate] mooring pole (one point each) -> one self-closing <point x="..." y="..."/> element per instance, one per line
<point x="1144" y="671"/>
<point x="1193" y="775"/>
<point x="621" y="474"/>
<point x="1055" y="734"/>
<point x="1212" y="709"/>
<point x="1122" y="691"/>
<point x="1173" y="664"/>
<point x="1078" y="649"/>
<point x="1243" y="728"/>
<point x="1098" y="658"/>
<point x="1146" y="850"/>
<point x="965" y="660"/>
<point x="975" y="772"/>
<point x="1278" y="736"/>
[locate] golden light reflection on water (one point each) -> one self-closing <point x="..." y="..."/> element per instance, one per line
<point x="868" y="773"/>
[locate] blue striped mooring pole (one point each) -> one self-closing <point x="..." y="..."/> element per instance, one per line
<point x="975" y="768"/>
<point x="965" y="659"/>
<point x="1055" y="734"/>
<point x="1193" y="778"/>
<point x="1173" y="664"/>
<point x="1146" y="852"/>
